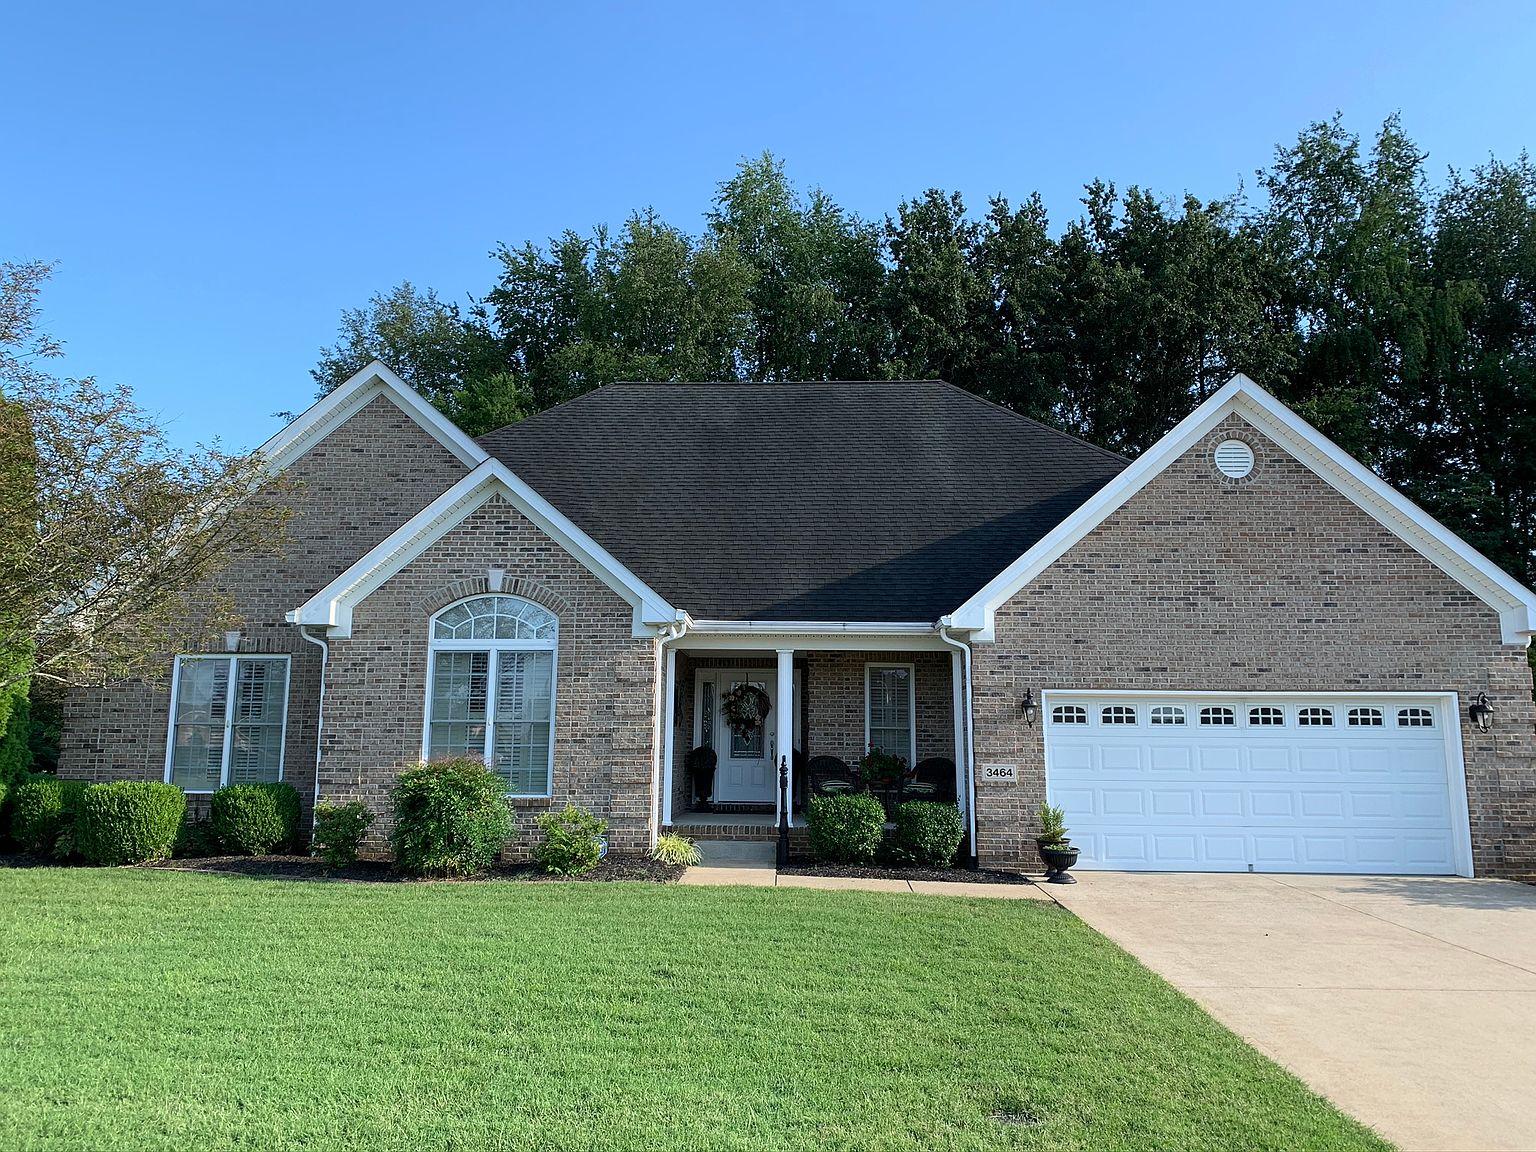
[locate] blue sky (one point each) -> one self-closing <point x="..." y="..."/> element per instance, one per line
<point x="218" y="181"/>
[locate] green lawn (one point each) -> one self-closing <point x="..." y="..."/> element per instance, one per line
<point x="152" y="1009"/>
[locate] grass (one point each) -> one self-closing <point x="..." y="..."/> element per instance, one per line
<point x="146" y="1009"/>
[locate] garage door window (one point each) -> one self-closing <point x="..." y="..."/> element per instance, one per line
<point x="1365" y="717"/>
<point x="1118" y="714"/>
<point x="1415" y="718"/>
<point x="1069" y="714"/>
<point x="1167" y="714"/>
<point x="1219" y="716"/>
<point x="1315" y="717"/>
<point x="1266" y="717"/>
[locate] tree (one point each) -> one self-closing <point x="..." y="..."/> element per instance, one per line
<point x="112" y="552"/>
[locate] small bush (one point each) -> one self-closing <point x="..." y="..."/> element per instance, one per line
<point x="195" y="839"/>
<point x="255" y="819"/>
<point x="451" y="818"/>
<point x="926" y="833"/>
<point x="43" y="812"/>
<point x="845" y="829"/>
<point x="673" y="849"/>
<point x="571" y="846"/>
<point x="128" y="821"/>
<point x="339" y="830"/>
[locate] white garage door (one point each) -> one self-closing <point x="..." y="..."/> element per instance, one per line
<point x="1262" y="783"/>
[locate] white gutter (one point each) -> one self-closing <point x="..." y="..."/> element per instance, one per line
<point x="943" y="627"/>
<point x="659" y="705"/>
<point x="325" y="656"/>
<point x="814" y="627"/>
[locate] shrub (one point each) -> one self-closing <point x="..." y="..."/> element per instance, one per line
<point x="673" y="849"/>
<point x="1053" y="825"/>
<point x="128" y="821"/>
<point x="339" y="830"/>
<point x="926" y="833"/>
<point x="451" y="818"/>
<point x="845" y="829"/>
<point x="43" y="812"/>
<point x="254" y="819"/>
<point x="571" y="844"/>
<point x="195" y="839"/>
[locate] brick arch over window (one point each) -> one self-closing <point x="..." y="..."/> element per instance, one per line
<point x="451" y="593"/>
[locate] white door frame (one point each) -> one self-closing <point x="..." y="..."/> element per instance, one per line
<point x="1455" y="753"/>
<point x="763" y="672"/>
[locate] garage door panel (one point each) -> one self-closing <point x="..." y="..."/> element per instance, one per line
<point x="1281" y="797"/>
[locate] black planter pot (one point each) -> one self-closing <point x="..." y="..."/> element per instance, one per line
<point x="1057" y="861"/>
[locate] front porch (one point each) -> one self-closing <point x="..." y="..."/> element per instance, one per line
<point x="828" y="704"/>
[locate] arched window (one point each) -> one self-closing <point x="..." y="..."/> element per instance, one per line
<point x="491" y="689"/>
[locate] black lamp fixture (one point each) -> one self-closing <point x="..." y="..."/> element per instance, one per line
<point x="1480" y="712"/>
<point x="1027" y="706"/>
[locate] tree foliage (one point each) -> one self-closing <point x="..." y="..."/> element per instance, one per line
<point x="109" y="538"/>
<point x="1397" y="316"/>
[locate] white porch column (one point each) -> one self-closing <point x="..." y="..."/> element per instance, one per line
<point x="669" y="735"/>
<point x="957" y="685"/>
<point x="784" y="745"/>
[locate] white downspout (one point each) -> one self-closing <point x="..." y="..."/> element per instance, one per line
<point x="970" y="729"/>
<point x="661" y="707"/>
<point x="325" y="656"/>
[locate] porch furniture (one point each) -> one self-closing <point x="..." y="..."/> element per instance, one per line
<point x="831" y="776"/>
<point x="931" y="779"/>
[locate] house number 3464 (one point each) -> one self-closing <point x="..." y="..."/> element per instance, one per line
<point x="1000" y="773"/>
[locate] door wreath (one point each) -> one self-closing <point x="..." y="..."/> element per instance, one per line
<point x="744" y="708"/>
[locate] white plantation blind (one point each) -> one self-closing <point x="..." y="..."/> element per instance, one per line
<point x="227" y="721"/>
<point x="889" y="709"/>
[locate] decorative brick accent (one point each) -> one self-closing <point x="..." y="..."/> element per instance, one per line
<point x="1277" y="583"/>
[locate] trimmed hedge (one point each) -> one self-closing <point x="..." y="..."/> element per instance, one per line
<point x="339" y="830"/>
<point x="43" y="812"/>
<point x="255" y="819"/>
<point x="926" y="833"/>
<point x="845" y="829"/>
<point x="451" y="818"/>
<point x="571" y="846"/>
<point x="128" y="821"/>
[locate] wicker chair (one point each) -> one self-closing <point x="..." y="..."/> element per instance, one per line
<point x="931" y="779"/>
<point x="831" y="777"/>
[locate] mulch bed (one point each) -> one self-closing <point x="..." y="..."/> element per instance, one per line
<point x="799" y="866"/>
<point x="379" y="872"/>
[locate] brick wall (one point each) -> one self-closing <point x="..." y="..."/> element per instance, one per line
<point x="355" y="487"/>
<point x="604" y="684"/>
<point x="1273" y="583"/>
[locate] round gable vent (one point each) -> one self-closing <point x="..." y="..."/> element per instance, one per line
<point x="1234" y="459"/>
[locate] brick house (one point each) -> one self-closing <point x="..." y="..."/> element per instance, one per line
<point x="1243" y="651"/>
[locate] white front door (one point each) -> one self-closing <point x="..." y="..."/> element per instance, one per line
<point x="747" y="771"/>
<point x="1258" y="783"/>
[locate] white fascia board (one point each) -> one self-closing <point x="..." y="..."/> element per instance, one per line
<point x="333" y="410"/>
<point x="332" y="606"/>
<point x="810" y="636"/>
<point x="1515" y="603"/>
<point x="812" y="627"/>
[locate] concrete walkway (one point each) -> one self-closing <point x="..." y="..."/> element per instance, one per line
<point x="1408" y="1002"/>
<point x="751" y="862"/>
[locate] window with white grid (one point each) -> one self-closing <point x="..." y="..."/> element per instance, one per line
<point x="228" y="717"/>
<point x="890" y="709"/>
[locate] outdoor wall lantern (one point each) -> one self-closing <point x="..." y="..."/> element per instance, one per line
<point x="1027" y="706"/>
<point x="1480" y="712"/>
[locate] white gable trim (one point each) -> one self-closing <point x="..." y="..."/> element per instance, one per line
<point x="1515" y="604"/>
<point x="330" y="412"/>
<point x="332" y="606"/>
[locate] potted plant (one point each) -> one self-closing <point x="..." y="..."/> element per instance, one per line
<point x="879" y="769"/>
<point x="1055" y="848"/>
<point x="700" y="763"/>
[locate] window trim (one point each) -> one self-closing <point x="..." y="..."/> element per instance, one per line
<point x="1069" y="715"/>
<point x="1125" y="716"/>
<point x="230" y="658"/>
<point x="492" y="647"/>
<point x="1168" y="716"/>
<point x="911" y="670"/>
<point x="1271" y="716"/>
<point x="1208" y="712"/>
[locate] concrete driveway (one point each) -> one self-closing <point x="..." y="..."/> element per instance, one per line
<point x="1410" y="1003"/>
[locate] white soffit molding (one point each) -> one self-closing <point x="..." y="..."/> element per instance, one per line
<point x="1515" y="604"/>
<point x="331" y="411"/>
<point x="332" y="606"/>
